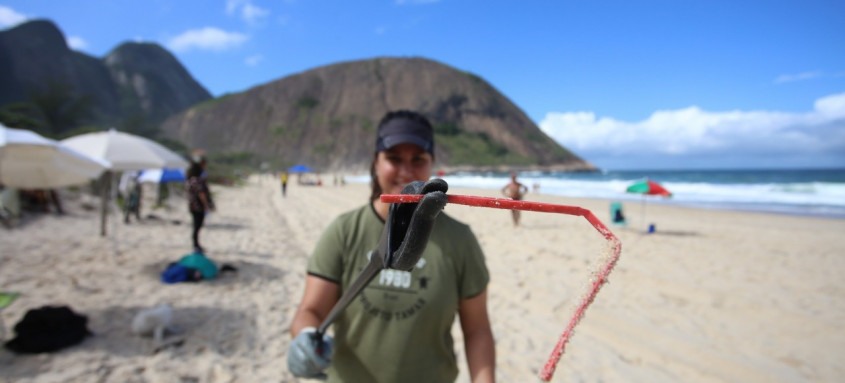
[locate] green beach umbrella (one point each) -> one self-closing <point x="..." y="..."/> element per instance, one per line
<point x="648" y="187"/>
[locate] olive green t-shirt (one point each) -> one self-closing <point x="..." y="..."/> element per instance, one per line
<point x="399" y="328"/>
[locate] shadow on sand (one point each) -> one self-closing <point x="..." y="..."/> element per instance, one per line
<point x="667" y="233"/>
<point x="198" y="330"/>
<point x="225" y="226"/>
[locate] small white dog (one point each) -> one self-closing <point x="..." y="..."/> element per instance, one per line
<point x="153" y="322"/>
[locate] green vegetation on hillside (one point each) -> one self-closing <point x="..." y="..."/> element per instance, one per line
<point x="477" y="149"/>
<point x="286" y="132"/>
<point x="211" y="102"/>
<point x="447" y="129"/>
<point x="307" y="102"/>
<point x="335" y="124"/>
<point x="322" y="149"/>
<point x="230" y="168"/>
<point x="20" y="115"/>
<point x="50" y="111"/>
<point x="367" y="125"/>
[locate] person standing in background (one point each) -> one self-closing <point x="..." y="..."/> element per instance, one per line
<point x="199" y="197"/>
<point x="515" y="191"/>
<point x="132" y="198"/>
<point x="284" y="178"/>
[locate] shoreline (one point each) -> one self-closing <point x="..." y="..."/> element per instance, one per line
<point x="792" y="211"/>
<point x="834" y="213"/>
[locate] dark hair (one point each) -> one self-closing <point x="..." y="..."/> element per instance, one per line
<point x="389" y="116"/>
<point x="375" y="187"/>
<point x="195" y="170"/>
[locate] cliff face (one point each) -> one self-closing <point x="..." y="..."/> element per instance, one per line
<point x="151" y="81"/>
<point x="133" y="80"/>
<point x="327" y="117"/>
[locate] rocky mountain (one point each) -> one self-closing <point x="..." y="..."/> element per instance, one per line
<point x="151" y="81"/>
<point x="327" y="116"/>
<point x="136" y="83"/>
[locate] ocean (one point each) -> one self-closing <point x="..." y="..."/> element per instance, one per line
<point x="812" y="192"/>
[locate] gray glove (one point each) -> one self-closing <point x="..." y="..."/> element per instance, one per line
<point x="409" y="225"/>
<point x="308" y="356"/>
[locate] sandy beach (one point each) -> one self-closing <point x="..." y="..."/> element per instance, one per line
<point x="711" y="296"/>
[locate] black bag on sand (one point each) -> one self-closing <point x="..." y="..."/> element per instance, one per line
<point x="48" y="329"/>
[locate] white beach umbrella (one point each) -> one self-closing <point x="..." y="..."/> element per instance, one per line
<point x="31" y="161"/>
<point x="125" y="151"/>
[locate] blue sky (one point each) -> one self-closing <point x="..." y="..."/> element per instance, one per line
<point x="624" y="84"/>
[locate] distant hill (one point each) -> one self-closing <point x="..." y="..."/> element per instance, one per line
<point x="136" y="86"/>
<point x="326" y="117"/>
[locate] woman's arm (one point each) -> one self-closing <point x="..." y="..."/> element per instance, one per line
<point x="209" y="202"/>
<point x="506" y="190"/>
<point x="204" y="201"/>
<point x="478" y="338"/>
<point x="318" y="299"/>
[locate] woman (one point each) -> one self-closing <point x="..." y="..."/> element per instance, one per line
<point x="199" y="198"/>
<point x="399" y="328"/>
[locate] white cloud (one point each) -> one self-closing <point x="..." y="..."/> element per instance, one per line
<point x="785" y="78"/>
<point x="670" y="137"/>
<point x="9" y="17"/>
<point x="253" y="60"/>
<point x="831" y="107"/>
<point x="381" y="30"/>
<point x="76" y="43"/>
<point x="208" y="38"/>
<point x="233" y="5"/>
<point x="253" y="14"/>
<point x="249" y="12"/>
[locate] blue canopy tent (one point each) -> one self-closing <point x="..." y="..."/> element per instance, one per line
<point x="162" y="175"/>
<point x="299" y="168"/>
<point x="305" y="175"/>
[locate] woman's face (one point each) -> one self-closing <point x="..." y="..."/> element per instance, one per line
<point x="401" y="164"/>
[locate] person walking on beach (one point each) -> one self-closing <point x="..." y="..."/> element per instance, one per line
<point x="514" y="190"/>
<point x="199" y="197"/>
<point x="399" y="328"/>
<point x="284" y="178"/>
<point x="132" y="197"/>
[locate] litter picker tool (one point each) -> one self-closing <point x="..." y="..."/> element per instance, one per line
<point x="599" y="279"/>
<point x="401" y="245"/>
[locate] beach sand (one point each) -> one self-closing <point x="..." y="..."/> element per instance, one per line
<point x="711" y="296"/>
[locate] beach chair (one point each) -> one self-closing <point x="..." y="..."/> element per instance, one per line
<point x="617" y="217"/>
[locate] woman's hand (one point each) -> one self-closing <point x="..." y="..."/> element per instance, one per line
<point x="308" y="356"/>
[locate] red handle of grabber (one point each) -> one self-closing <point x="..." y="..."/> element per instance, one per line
<point x="596" y="283"/>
